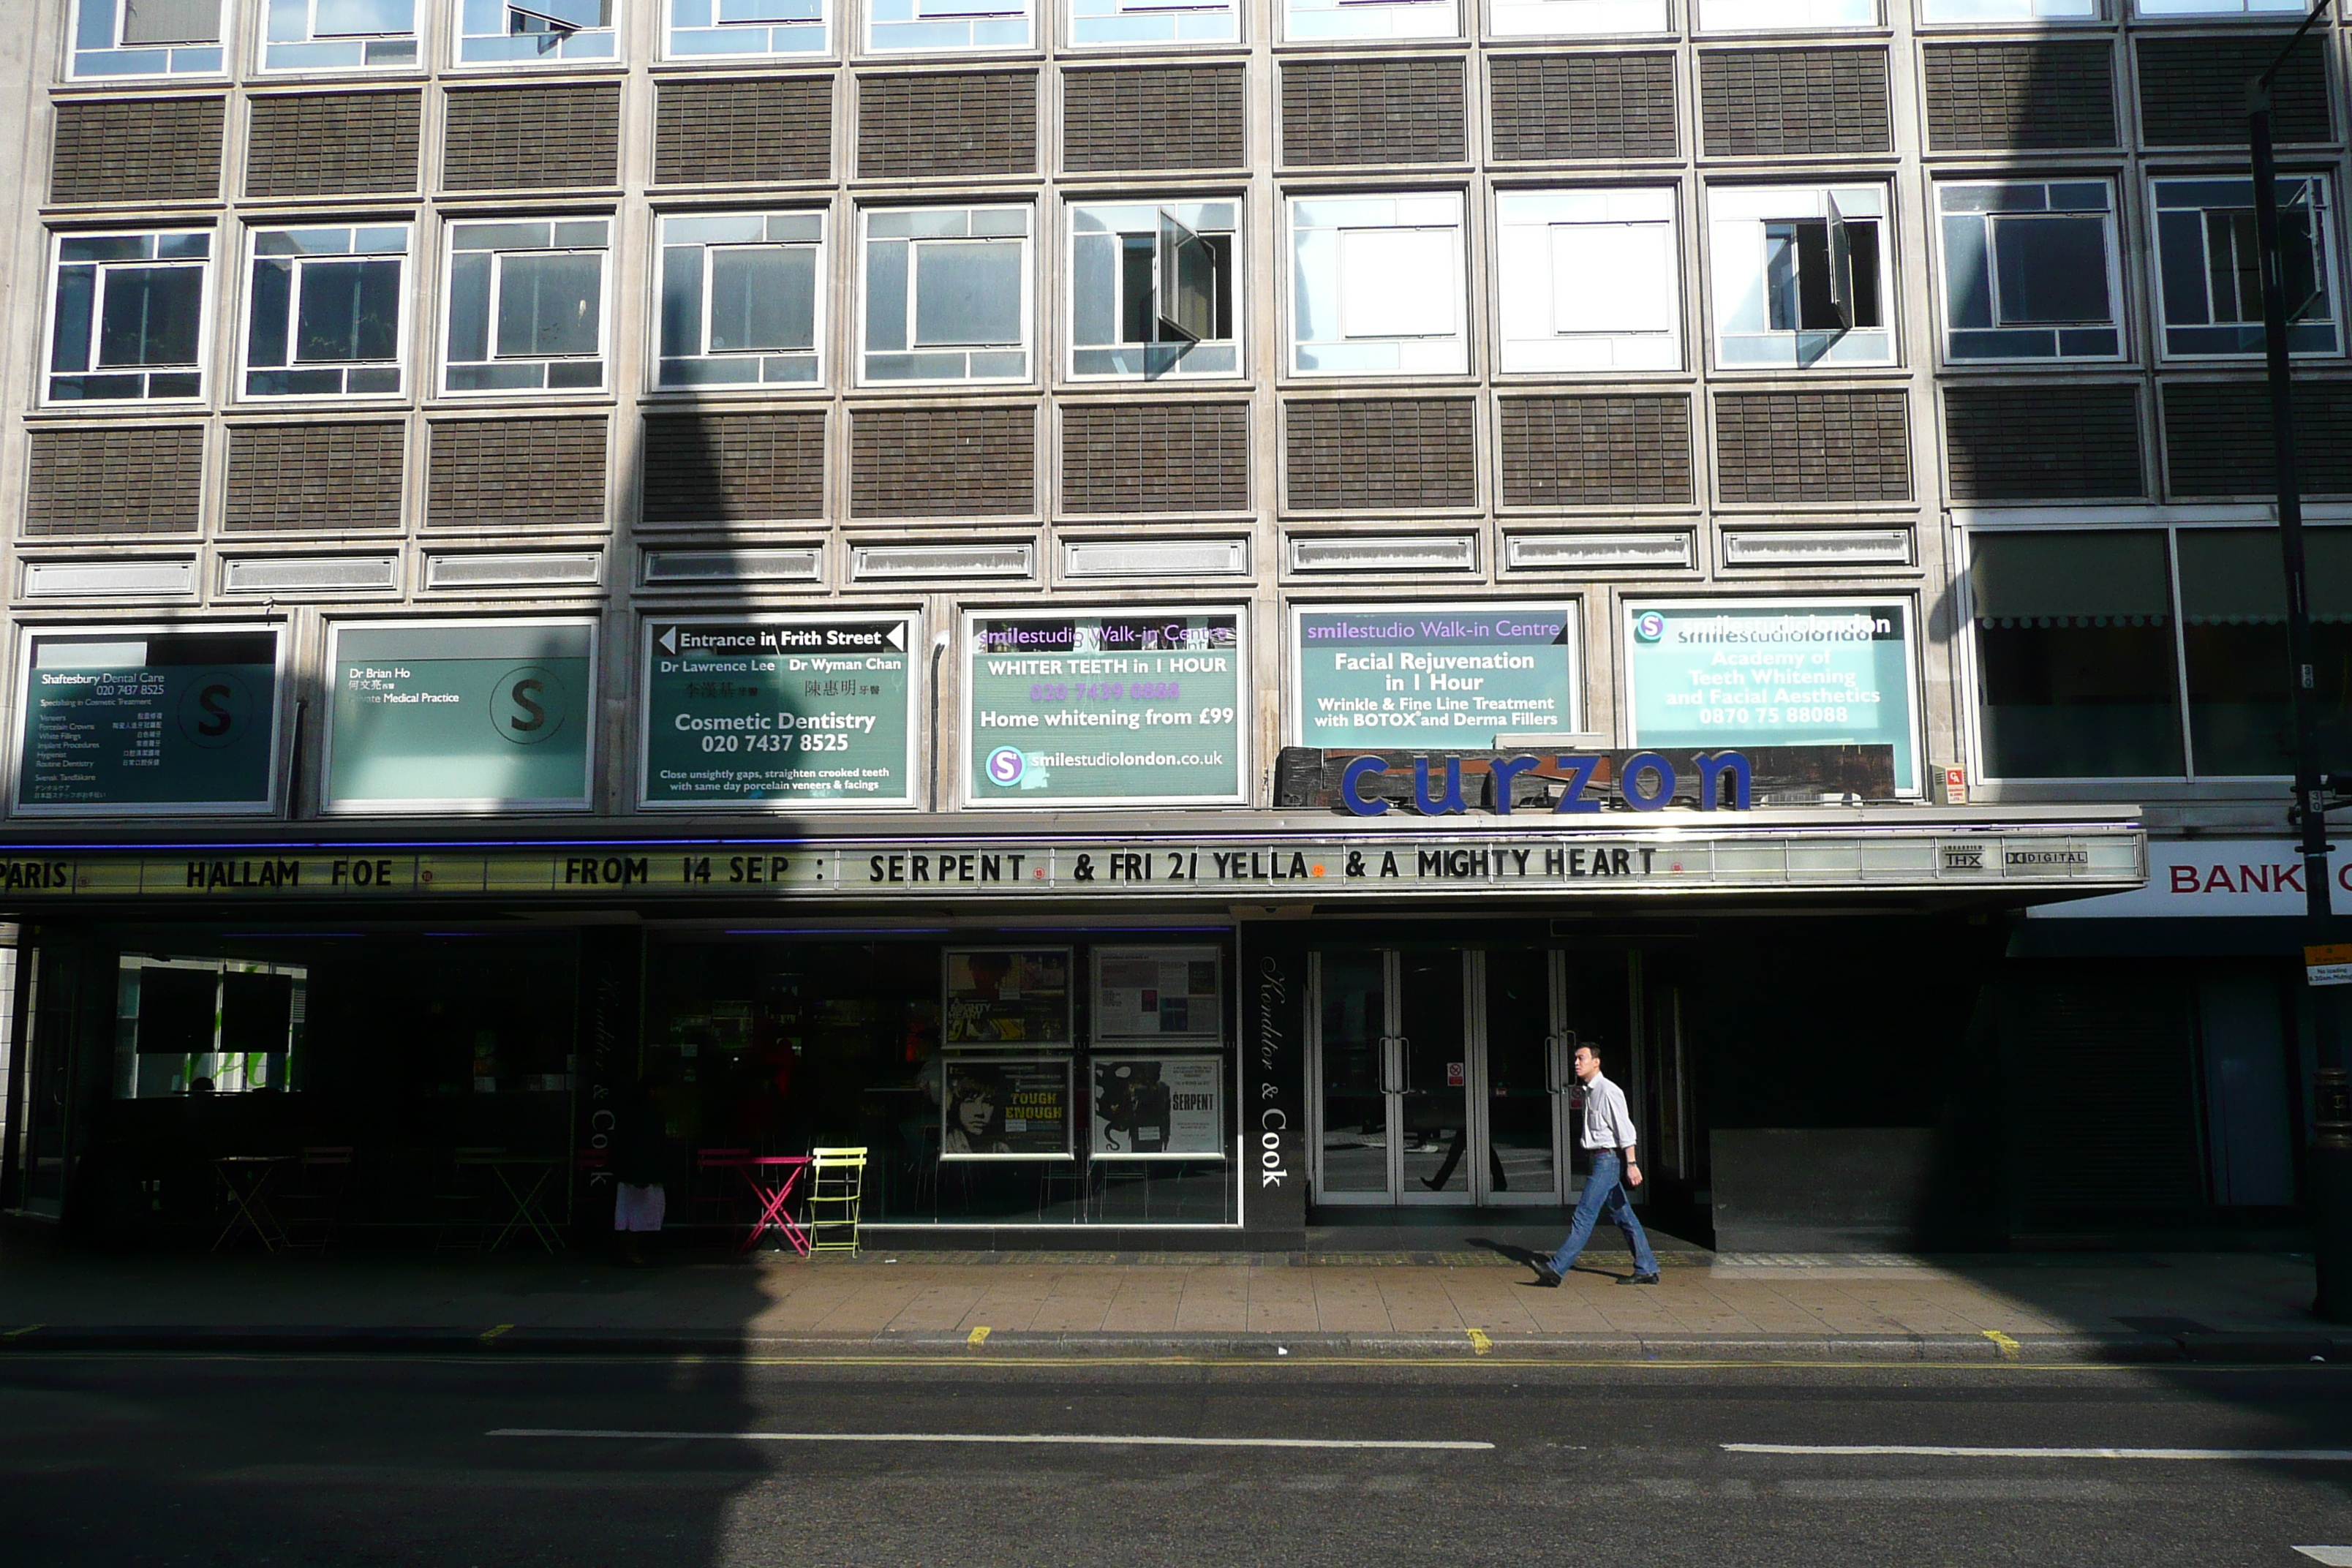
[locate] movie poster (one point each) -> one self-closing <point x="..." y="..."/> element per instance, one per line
<point x="1158" y="1108"/>
<point x="1007" y="996"/>
<point x="1005" y="1110"/>
<point x="1158" y="994"/>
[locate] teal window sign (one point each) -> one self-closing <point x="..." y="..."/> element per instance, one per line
<point x="1713" y="674"/>
<point x="1141" y="707"/>
<point x="148" y="720"/>
<point x="1432" y="677"/>
<point x="779" y="710"/>
<point x="440" y="715"/>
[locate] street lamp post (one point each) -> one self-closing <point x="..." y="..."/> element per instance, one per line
<point x="2330" y="1162"/>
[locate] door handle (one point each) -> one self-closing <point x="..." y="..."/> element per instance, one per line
<point x="1388" y="1064"/>
<point x="1558" y="1048"/>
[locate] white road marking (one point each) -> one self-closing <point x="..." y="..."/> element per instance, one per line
<point x="2334" y="1556"/>
<point x="1940" y="1451"/>
<point x="1080" y="1439"/>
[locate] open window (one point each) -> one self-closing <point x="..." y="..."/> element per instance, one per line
<point x="947" y="294"/>
<point x="127" y="315"/>
<point x="740" y="28"/>
<point x="2208" y="264"/>
<point x="1589" y="280"/>
<point x="526" y="303"/>
<point x="2030" y="271"/>
<point x="323" y="312"/>
<point x="338" y="35"/>
<point x="535" y="32"/>
<point x="146" y="38"/>
<point x="1152" y="290"/>
<point x="1800" y="276"/>
<point x="739" y="298"/>
<point x="1132" y="22"/>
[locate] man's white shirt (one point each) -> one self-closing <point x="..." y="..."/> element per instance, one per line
<point x="1608" y="1124"/>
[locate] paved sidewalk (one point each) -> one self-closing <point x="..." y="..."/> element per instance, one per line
<point x="2145" y="1307"/>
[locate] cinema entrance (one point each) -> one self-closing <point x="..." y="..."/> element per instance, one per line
<point x="1441" y="1074"/>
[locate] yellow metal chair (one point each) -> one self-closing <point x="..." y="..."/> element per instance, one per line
<point x="836" y="1183"/>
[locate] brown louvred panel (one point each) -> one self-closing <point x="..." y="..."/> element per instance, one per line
<point x="137" y="150"/>
<point x="517" y="473"/>
<point x="2043" y="93"/>
<point x="1767" y="103"/>
<point x="1155" y="457"/>
<point x="2050" y="442"/>
<point x="1796" y="447"/>
<point x="532" y="138"/>
<point x="1583" y="106"/>
<point x="315" y="476"/>
<point x="1374" y="111"/>
<point x="2192" y="91"/>
<point x="744" y="132"/>
<point x="1371" y="453"/>
<point x="960" y="122"/>
<point x="2217" y="438"/>
<point x="943" y="462"/>
<point x="124" y="480"/>
<point x="734" y="467"/>
<point x="1616" y="449"/>
<point x="332" y="144"/>
<point x="1157" y="117"/>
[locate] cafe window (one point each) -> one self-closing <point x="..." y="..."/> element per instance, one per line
<point x="2211" y="268"/>
<point x="2083" y="667"/>
<point x="1151" y="289"/>
<point x="194" y="1026"/>
<point x="739" y="298"/>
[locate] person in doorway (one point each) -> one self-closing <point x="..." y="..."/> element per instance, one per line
<point x="640" y="1200"/>
<point x="1607" y="1134"/>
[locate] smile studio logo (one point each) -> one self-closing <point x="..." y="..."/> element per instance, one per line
<point x="1006" y="766"/>
<point x="1649" y="626"/>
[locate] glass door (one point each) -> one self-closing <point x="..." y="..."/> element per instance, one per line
<point x="1432" y="1079"/>
<point x="1525" y="1090"/>
<point x="1353" y="1143"/>
<point x="1393" y="1071"/>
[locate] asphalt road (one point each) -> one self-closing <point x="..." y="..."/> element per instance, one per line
<point x="173" y="1460"/>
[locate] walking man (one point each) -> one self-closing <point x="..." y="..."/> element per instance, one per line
<point x="1607" y="1130"/>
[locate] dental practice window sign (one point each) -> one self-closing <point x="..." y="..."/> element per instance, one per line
<point x="1717" y="674"/>
<point x="151" y="720"/>
<point x="1442" y="677"/>
<point x="459" y="715"/>
<point x="809" y="712"/>
<point x="1144" y="707"/>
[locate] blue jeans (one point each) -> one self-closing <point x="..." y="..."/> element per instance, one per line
<point x="1604" y="1191"/>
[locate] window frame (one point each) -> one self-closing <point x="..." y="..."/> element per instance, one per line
<point x="2326" y="248"/>
<point x="404" y="331"/>
<point x="1454" y="29"/>
<point x="1702" y="28"/>
<point x="821" y="322"/>
<point x="2119" y="312"/>
<point x="559" y="59"/>
<point x="862" y="294"/>
<point x="206" y="300"/>
<point x="1237" y="33"/>
<point x="1237" y="253"/>
<point x="1719" y="254"/>
<point x="969" y="44"/>
<point x="263" y="44"/>
<point x="1676" y="334"/>
<point x="604" y="357"/>
<point x="76" y="24"/>
<point x="827" y="15"/>
<point x="1460" y="230"/>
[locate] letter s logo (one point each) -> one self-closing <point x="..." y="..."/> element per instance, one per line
<point x="215" y="709"/>
<point x="527" y="705"/>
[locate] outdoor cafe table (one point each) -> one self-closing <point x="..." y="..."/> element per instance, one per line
<point x="248" y="1177"/>
<point x="525" y="1179"/>
<point x="773" y="1179"/>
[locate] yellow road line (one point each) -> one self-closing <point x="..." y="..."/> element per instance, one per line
<point x="1479" y="1343"/>
<point x="2007" y="1346"/>
<point x="979" y="1337"/>
<point x="489" y="1335"/>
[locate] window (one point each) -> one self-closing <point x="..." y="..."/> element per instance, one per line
<point x="1307" y="20"/>
<point x="129" y="317"/>
<point x="2148" y="10"/>
<point x="324" y="314"/>
<point x="1151" y="289"/>
<point x="206" y="1025"/>
<point x="2030" y="271"/>
<point x="146" y="38"/>
<point x="1979" y="11"/>
<point x="1589" y="280"/>
<point x="1378" y="285"/>
<point x="738" y="28"/>
<point x="2212" y="294"/>
<point x="2083" y="665"/>
<point x="1154" y="21"/>
<point x="338" y="35"/>
<point x="892" y="24"/>
<point x="1772" y="15"/>
<point x="534" y="32"/>
<point x="1568" y="18"/>
<point x="1800" y="276"/>
<point x="947" y="294"/>
<point x="739" y="298"/>
<point x="526" y="306"/>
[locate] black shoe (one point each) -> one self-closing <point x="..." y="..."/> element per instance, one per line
<point x="1639" y="1280"/>
<point x="1546" y="1277"/>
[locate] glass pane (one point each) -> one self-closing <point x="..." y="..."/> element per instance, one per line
<point x="967" y="291"/>
<point x="69" y="336"/>
<point x="1355" y="1111"/>
<point x="885" y="295"/>
<point x="681" y="300"/>
<point x="1436" y="1074"/>
<point x="2051" y="269"/>
<point x="2233" y="615"/>
<point x="273" y="289"/>
<point x="548" y="305"/>
<point x="347" y="18"/>
<point x="170" y="21"/>
<point x="351" y="310"/>
<point x="469" y="306"/>
<point x="762" y="298"/>
<point x="1612" y="277"/>
<point x="1398" y="283"/>
<point x="151" y="316"/>
<point x="1522" y="1160"/>
<point x="2076" y="655"/>
<point x="1138" y="317"/>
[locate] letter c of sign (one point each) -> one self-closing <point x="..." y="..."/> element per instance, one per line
<point x="602" y="1121"/>
<point x="1273" y="1122"/>
<point x="1354" y="773"/>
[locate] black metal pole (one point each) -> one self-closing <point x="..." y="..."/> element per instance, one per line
<point x="2330" y="1162"/>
